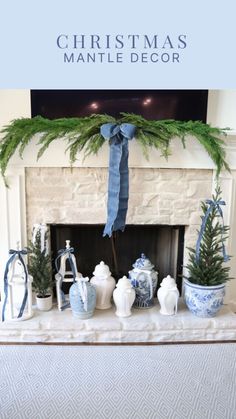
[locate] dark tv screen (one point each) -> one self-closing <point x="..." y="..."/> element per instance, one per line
<point x="182" y="105"/>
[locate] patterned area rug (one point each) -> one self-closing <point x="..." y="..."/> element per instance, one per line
<point x="176" y="381"/>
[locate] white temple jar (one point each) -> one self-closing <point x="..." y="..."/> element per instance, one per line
<point x="104" y="284"/>
<point x="168" y="295"/>
<point x="123" y="296"/>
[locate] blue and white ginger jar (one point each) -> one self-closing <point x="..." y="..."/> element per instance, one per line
<point x="144" y="280"/>
<point x="203" y="301"/>
<point x="82" y="298"/>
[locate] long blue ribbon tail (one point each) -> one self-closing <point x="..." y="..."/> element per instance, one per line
<point x="15" y="253"/>
<point x="10" y="260"/>
<point x="212" y="204"/>
<point x="24" y="301"/>
<point x="118" y="183"/>
<point x="114" y="183"/>
<point x="119" y="223"/>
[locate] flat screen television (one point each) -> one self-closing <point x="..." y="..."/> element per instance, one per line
<point x="182" y="105"/>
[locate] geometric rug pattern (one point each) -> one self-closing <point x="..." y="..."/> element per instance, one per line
<point x="117" y="382"/>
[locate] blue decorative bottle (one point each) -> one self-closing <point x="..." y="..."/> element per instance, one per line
<point x="82" y="298"/>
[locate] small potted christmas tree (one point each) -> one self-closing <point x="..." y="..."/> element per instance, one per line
<point x="39" y="267"/>
<point x="204" y="288"/>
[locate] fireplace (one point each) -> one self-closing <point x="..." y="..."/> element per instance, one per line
<point x="164" y="196"/>
<point x="162" y="244"/>
<point x="158" y="197"/>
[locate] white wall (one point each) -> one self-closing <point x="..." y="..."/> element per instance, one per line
<point x="14" y="104"/>
<point x="222" y="108"/>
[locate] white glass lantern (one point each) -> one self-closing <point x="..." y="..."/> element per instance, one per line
<point x="63" y="275"/>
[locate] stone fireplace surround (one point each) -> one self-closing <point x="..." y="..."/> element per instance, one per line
<point x="160" y="193"/>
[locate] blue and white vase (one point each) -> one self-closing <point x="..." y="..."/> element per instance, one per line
<point x="144" y="280"/>
<point x="203" y="301"/>
<point x="82" y="298"/>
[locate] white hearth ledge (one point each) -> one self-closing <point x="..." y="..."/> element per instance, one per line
<point x="144" y="326"/>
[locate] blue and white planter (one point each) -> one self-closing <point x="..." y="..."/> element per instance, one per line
<point x="203" y="301"/>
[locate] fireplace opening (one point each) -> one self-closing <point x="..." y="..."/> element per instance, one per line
<point x="163" y="245"/>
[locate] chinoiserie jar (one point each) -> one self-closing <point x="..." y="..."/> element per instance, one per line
<point x="82" y="298"/>
<point x="104" y="284"/>
<point x="143" y="278"/>
<point x="123" y="296"/>
<point x="168" y="295"/>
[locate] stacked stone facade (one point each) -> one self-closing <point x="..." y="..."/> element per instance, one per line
<point x="79" y="195"/>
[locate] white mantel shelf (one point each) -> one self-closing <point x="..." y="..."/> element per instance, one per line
<point x="144" y="326"/>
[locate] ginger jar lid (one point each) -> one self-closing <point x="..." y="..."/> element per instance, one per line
<point x="102" y="270"/>
<point x="124" y="283"/>
<point x="168" y="282"/>
<point x="143" y="263"/>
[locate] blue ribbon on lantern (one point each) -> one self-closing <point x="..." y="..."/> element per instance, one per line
<point x="212" y="204"/>
<point x="118" y="183"/>
<point x="63" y="252"/>
<point x="14" y="254"/>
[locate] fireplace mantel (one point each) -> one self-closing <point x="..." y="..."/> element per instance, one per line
<point x="13" y="223"/>
<point x="192" y="157"/>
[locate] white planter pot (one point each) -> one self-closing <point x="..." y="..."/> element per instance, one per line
<point x="44" y="304"/>
<point x="203" y="301"/>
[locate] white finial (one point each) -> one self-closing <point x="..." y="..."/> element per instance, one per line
<point x="67" y="244"/>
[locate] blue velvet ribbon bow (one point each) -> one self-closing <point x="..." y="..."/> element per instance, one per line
<point x="63" y="252"/>
<point x="15" y="254"/>
<point x="212" y="204"/>
<point x="118" y="183"/>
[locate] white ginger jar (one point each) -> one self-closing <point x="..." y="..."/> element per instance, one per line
<point x="168" y="295"/>
<point x="104" y="284"/>
<point x="123" y="296"/>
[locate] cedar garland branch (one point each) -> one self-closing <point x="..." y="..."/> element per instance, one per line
<point x="83" y="134"/>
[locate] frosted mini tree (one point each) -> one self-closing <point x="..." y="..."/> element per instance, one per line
<point x="40" y="267"/>
<point x="206" y="262"/>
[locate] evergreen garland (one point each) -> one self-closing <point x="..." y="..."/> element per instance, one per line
<point x="39" y="266"/>
<point x="84" y="134"/>
<point x="210" y="269"/>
